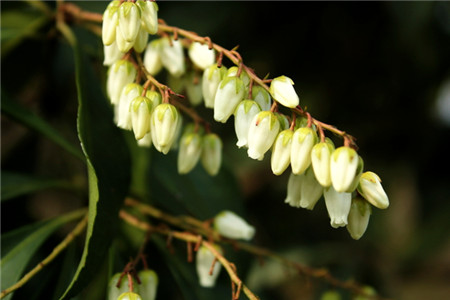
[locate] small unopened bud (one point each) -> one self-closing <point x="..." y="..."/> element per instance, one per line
<point x="141" y="109"/>
<point x="243" y="116"/>
<point x="232" y="226"/>
<point x="129" y="92"/>
<point x="141" y="41"/>
<point x="282" y="90"/>
<point x="129" y="21"/>
<point x="194" y="89"/>
<point x="263" y="130"/>
<point x="203" y="263"/>
<point x="303" y="141"/>
<point x="281" y="152"/>
<point x="358" y="217"/>
<point x="122" y="44"/>
<point x="110" y="22"/>
<point x="284" y="121"/>
<point x="371" y="189"/>
<point x="189" y="152"/>
<point x="120" y="74"/>
<point x="201" y="55"/>
<point x="262" y="97"/>
<point x="129" y="296"/>
<point x="152" y="61"/>
<point x="111" y="53"/>
<point x="343" y="165"/>
<point x="320" y="160"/>
<point x="232" y="72"/>
<point x="163" y="125"/>
<point x="172" y="56"/>
<point x="149" y="284"/>
<point x="149" y="15"/>
<point x="114" y="292"/>
<point x="212" y="153"/>
<point x="229" y="94"/>
<point x="310" y="191"/>
<point x="338" y="206"/>
<point x="212" y="77"/>
<point x="294" y="190"/>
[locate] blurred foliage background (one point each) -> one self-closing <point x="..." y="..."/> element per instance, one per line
<point x="378" y="70"/>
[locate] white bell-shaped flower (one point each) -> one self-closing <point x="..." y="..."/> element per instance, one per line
<point x="343" y="165"/>
<point x="262" y="97"/>
<point x="230" y="225"/>
<point x="129" y="21"/>
<point x="212" y="153"/>
<point x="303" y="141"/>
<point x="140" y="44"/>
<point x="120" y="74"/>
<point x="152" y="61"/>
<point x="281" y="152"/>
<point x="229" y="94"/>
<point x="263" y="130"/>
<point x="141" y="110"/>
<point x="149" y="15"/>
<point x="282" y="90"/>
<point x="146" y="141"/>
<point x="310" y="191"/>
<point x="194" y="89"/>
<point x="232" y="72"/>
<point x="163" y="126"/>
<point x="122" y="44"/>
<point x="189" y="151"/>
<point x="358" y="217"/>
<point x="149" y="284"/>
<point x="155" y="97"/>
<point x="338" y="206"/>
<point x="201" y="55"/>
<point x="212" y="77"/>
<point x="243" y="116"/>
<point x="294" y="187"/>
<point x="110" y="22"/>
<point x="129" y="93"/>
<point x="320" y="161"/>
<point x="203" y="262"/>
<point x="371" y="189"/>
<point x="111" y="54"/>
<point x="172" y="56"/>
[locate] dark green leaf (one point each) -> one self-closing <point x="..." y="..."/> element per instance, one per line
<point x="20" y="245"/>
<point x="108" y="170"/>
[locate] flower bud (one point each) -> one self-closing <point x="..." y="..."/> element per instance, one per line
<point x="358" y="173"/>
<point x="189" y="152"/>
<point x="141" y="109"/>
<point x="194" y="89"/>
<point x="282" y="90"/>
<point x="281" y="152"/>
<point x="120" y="74"/>
<point x="110" y="22"/>
<point x="155" y="97"/>
<point x="371" y="189"/>
<point x="149" y="284"/>
<point x="149" y="15"/>
<point x="303" y="141"/>
<point x="164" y="122"/>
<point x="141" y="41"/>
<point x="294" y="190"/>
<point x="111" y="54"/>
<point x="358" y="217"/>
<point x="243" y="116"/>
<point x="212" y="153"/>
<point x="228" y="95"/>
<point x="152" y="61"/>
<point x="172" y="56"/>
<point x="338" y="206"/>
<point x="262" y="97"/>
<point x="284" y="121"/>
<point x="129" y="21"/>
<point x="310" y="191"/>
<point x="201" y="55"/>
<point x="212" y="77"/>
<point x="129" y="296"/>
<point x="320" y="160"/>
<point x="232" y="72"/>
<point x="203" y="262"/>
<point x="343" y="165"/>
<point x="262" y="133"/>
<point x="122" y="44"/>
<point x="129" y="92"/>
<point x="230" y="225"/>
<point x="114" y="292"/>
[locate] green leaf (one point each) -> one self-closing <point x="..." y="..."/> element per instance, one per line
<point x="108" y="166"/>
<point x="19" y="246"/>
<point x="29" y="119"/>
<point x="14" y="184"/>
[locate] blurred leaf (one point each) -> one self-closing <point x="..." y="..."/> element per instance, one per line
<point x="29" y="119"/>
<point x="108" y="170"/>
<point x="14" y="184"/>
<point x="19" y="246"/>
